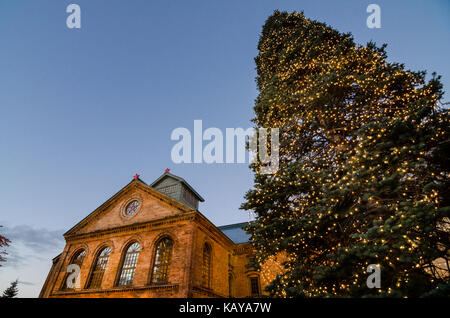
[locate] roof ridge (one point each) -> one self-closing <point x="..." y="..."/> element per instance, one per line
<point x="117" y="194"/>
<point x="233" y="225"/>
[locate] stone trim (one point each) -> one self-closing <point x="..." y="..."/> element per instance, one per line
<point x="244" y="248"/>
<point x="133" y="227"/>
<point x="117" y="289"/>
<point x="206" y="291"/>
<point x="135" y="238"/>
<point x="215" y="234"/>
<point x="115" y="197"/>
<point x="125" y="203"/>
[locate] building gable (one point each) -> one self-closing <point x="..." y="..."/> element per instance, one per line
<point x="157" y="215"/>
<point x="151" y="205"/>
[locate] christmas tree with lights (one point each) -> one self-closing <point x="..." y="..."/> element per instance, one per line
<point x="363" y="167"/>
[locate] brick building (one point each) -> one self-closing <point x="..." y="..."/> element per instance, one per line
<point x="151" y="241"/>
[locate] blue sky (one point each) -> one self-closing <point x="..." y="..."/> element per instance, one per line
<point x="82" y="111"/>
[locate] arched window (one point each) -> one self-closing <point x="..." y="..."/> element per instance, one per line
<point x="163" y="258"/>
<point x="254" y="286"/>
<point x="95" y="280"/>
<point x="206" y="268"/>
<point x="230" y="285"/>
<point x="129" y="265"/>
<point x="77" y="259"/>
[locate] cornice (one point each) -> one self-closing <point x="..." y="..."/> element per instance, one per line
<point x="217" y="234"/>
<point x="206" y="292"/>
<point x="116" y="290"/>
<point x="133" y="227"/>
<point x="243" y="248"/>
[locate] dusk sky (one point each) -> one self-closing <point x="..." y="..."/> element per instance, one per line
<point x="83" y="110"/>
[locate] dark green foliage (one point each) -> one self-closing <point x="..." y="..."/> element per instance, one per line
<point x="364" y="166"/>
<point x="12" y="290"/>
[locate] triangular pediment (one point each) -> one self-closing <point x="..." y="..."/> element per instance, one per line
<point x="112" y="214"/>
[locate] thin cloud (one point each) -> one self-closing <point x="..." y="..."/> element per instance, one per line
<point x="36" y="239"/>
<point x="28" y="243"/>
<point x="26" y="283"/>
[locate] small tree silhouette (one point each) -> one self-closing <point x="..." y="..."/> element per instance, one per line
<point x="12" y="290"/>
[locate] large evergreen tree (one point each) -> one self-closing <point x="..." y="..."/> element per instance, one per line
<point x="363" y="175"/>
<point x="12" y="290"/>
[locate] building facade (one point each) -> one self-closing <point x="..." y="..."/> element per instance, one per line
<point x="152" y="241"/>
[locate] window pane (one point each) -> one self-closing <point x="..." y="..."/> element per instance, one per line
<point x="254" y="285"/>
<point x="78" y="260"/>
<point x="129" y="265"/>
<point x="163" y="257"/>
<point x="99" y="269"/>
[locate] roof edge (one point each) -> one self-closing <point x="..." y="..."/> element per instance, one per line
<point x="117" y="194"/>
<point x="228" y="226"/>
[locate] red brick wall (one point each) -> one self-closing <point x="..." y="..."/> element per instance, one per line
<point x="185" y="275"/>
<point x="180" y="232"/>
<point x="157" y="217"/>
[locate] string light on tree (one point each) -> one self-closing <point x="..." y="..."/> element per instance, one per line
<point x="363" y="175"/>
